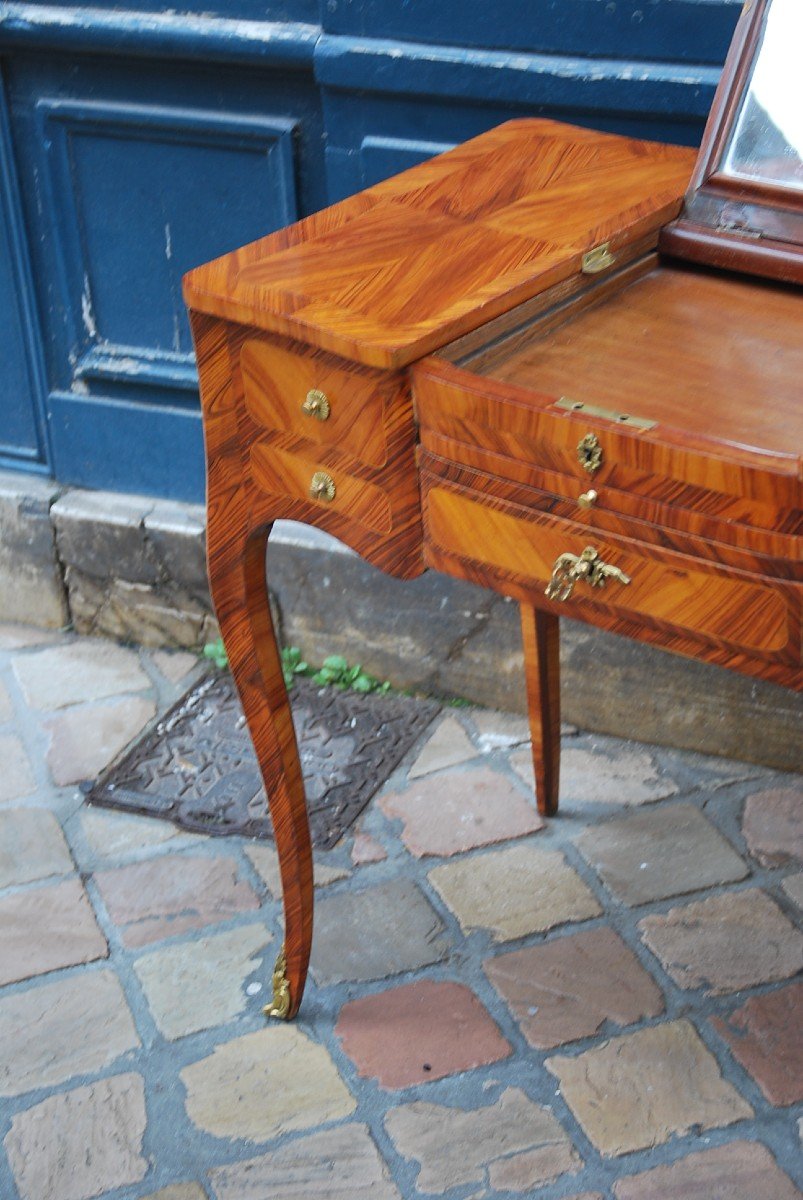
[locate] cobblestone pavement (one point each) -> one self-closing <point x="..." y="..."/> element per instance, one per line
<point x="603" y="1005"/>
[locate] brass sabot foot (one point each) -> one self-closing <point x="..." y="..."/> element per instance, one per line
<point x="280" y="1005"/>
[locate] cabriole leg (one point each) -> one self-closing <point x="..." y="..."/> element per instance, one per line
<point x="240" y="593"/>
<point x="540" y="633"/>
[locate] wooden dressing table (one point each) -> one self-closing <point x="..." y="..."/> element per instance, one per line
<point x="485" y="365"/>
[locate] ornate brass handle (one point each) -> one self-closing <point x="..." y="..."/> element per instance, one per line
<point x="569" y="570"/>
<point x="322" y="487"/>
<point x="316" y="405"/>
<point x="587" y="499"/>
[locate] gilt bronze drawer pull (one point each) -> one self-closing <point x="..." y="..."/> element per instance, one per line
<point x="322" y="487"/>
<point x="587" y="499"/>
<point x="589" y="453"/>
<point x="317" y="405"/>
<point x="569" y="569"/>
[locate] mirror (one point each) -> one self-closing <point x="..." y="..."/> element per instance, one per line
<point x="744" y="207"/>
<point x="766" y="144"/>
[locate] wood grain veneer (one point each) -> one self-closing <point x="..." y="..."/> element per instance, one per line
<point x="401" y="268"/>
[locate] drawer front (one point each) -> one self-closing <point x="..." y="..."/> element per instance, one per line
<point x="535" y="429"/>
<point x="324" y="488"/>
<point x="308" y="394"/>
<point x="751" y="614"/>
<point x="708" y="531"/>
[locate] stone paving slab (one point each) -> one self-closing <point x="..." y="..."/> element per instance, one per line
<point x="659" y="853"/>
<point x="76" y="1025"/>
<point x="499" y="1006"/>
<point x="512" y="892"/>
<point x="418" y="1033"/>
<point x="727" y="942"/>
<point x="405" y="933"/>
<point x="568" y="988"/>
<point x="640" y="1089"/>
<point x="17" y="778"/>
<point x="81" y="1143"/>
<point x="66" y="931"/>
<point x="512" y="1145"/>
<point x="337" y="1164"/>
<point x="739" y="1171"/>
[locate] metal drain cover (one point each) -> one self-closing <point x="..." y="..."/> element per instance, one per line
<point x="197" y="768"/>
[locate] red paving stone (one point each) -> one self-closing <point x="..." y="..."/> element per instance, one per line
<point x="419" y="1032"/>
<point x="773" y="825"/>
<point x="566" y="989"/>
<point x="739" y="1171"/>
<point x="172" y="894"/>
<point x="766" y="1037"/>
<point x="458" y="810"/>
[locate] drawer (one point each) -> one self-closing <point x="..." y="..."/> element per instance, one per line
<point x="306" y="393"/>
<point x="714" y="528"/>
<point x="677" y="386"/>
<point x="749" y="613"/>
<point x="321" y="488"/>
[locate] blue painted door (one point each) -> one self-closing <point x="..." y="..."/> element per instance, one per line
<point x="136" y="144"/>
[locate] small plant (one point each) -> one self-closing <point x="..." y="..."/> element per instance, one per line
<point x="293" y="664"/>
<point x="334" y="671"/>
<point x="216" y="652"/>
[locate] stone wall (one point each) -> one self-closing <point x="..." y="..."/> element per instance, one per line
<point x="134" y="569"/>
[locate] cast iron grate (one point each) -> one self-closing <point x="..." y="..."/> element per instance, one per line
<point x="197" y="768"/>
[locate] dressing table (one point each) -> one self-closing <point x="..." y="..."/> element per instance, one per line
<point x="528" y="364"/>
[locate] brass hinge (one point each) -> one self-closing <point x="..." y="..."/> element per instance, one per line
<point x="607" y="414"/>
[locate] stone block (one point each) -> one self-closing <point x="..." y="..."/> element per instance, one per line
<point x="447" y="747"/>
<point x="176" y="535"/>
<point x="739" y="1171"/>
<point x="17" y="778"/>
<point x="374" y="933"/>
<point x="44" y="928"/>
<point x="418" y="1032"/>
<point x="102" y="534"/>
<point x="50" y="1034"/>
<point x="773" y="825"/>
<point x="151" y="615"/>
<point x="78" y="671"/>
<point x="32" y="847"/>
<point x="657" y="853"/>
<point x="79" y="1144"/>
<point x="766" y="1036"/>
<point x="512" y="892"/>
<point x="640" y="1089"/>
<point x="31" y="587"/>
<point x="514" y="1144"/>
<point x="197" y="985"/>
<point x="568" y="988"/>
<point x="264" y="1084"/>
<point x="85" y="739"/>
<point x="173" y="894"/>
<point x="725" y="943"/>
<point x="367" y="849"/>
<point x="459" y="810"/>
<point x="336" y="1164"/>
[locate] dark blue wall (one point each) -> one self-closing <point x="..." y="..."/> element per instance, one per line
<point x="136" y="144"/>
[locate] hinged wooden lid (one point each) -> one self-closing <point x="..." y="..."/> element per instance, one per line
<point x="400" y="269"/>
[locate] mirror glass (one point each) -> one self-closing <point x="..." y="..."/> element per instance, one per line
<point x="767" y="141"/>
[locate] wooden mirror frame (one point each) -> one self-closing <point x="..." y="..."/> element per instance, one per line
<point x="731" y="221"/>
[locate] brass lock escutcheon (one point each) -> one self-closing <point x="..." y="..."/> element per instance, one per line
<point x="589" y="453"/>
<point x="322" y="487"/>
<point x="317" y="405"/>
<point x="570" y="569"/>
